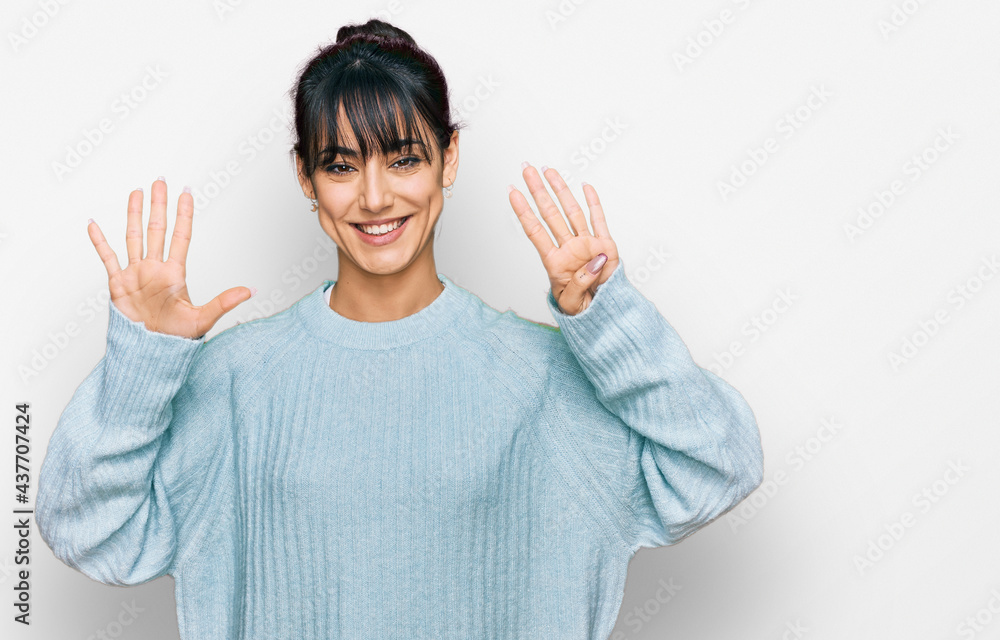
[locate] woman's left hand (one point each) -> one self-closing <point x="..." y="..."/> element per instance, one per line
<point x="573" y="286"/>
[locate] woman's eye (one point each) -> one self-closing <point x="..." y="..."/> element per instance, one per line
<point x="408" y="162"/>
<point x="339" y="169"/>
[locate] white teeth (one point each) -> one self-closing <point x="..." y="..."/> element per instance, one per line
<point x="381" y="229"/>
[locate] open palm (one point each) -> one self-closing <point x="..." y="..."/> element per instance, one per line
<point x="572" y="285"/>
<point x="150" y="289"/>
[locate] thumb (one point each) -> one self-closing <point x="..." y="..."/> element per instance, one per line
<point x="576" y="296"/>
<point x="223" y="304"/>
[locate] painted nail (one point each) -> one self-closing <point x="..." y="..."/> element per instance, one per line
<point x="510" y="188"/>
<point x="595" y="265"/>
<point x="89" y="220"/>
<point x="543" y="168"/>
<point x="524" y="165"/>
<point x="140" y="190"/>
<point x="187" y="189"/>
<point x="161" y="178"/>
<point x="253" y="291"/>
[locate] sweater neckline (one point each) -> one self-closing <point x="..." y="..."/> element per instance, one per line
<point x="328" y="325"/>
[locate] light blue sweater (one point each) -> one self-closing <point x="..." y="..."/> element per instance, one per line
<point x="457" y="473"/>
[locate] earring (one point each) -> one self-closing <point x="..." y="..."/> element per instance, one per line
<point x="315" y="206"/>
<point x="447" y="190"/>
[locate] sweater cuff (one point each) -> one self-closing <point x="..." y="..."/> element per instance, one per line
<point x="143" y="369"/>
<point x="607" y="337"/>
<point x="610" y="288"/>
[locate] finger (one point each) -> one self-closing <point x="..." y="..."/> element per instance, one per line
<point x="596" y="212"/>
<point x="157" y="228"/>
<point x="104" y="249"/>
<point x="576" y="296"/>
<point x="577" y="220"/>
<point x="181" y="238"/>
<point x="219" y="306"/>
<point x="133" y="230"/>
<point x="546" y="207"/>
<point x="532" y="227"/>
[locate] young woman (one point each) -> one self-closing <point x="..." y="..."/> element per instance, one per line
<point x="389" y="457"/>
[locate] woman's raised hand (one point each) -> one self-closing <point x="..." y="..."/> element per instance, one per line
<point x="573" y="286"/>
<point x="150" y="289"/>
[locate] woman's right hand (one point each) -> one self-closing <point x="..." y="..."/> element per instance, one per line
<point x="150" y="289"/>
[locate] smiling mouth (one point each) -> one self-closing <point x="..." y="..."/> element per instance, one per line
<point x="380" y="230"/>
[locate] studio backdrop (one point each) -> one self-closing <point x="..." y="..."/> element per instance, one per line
<point x="807" y="191"/>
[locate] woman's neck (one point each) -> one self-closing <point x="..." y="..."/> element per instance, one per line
<point x="366" y="297"/>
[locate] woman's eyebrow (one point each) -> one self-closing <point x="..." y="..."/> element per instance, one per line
<point x="407" y="143"/>
<point x="332" y="151"/>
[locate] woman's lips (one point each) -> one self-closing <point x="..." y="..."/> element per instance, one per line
<point x="385" y="238"/>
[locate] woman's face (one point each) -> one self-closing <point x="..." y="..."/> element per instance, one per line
<point x="403" y="186"/>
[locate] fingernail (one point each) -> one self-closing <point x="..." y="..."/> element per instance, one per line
<point x="161" y="178"/>
<point x="584" y="184"/>
<point x="253" y="291"/>
<point x="524" y="165"/>
<point x="140" y="190"/>
<point x="595" y="265"/>
<point x="543" y="168"/>
<point x="187" y="189"/>
<point x="89" y="220"/>
<point x="510" y="188"/>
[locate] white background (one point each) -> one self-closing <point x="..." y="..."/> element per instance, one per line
<point x="539" y="81"/>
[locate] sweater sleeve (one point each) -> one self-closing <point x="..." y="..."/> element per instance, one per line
<point x="129" y="454"/>
<point x="670" y="445"/>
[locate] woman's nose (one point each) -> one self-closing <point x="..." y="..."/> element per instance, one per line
<point x="375" y="190"/>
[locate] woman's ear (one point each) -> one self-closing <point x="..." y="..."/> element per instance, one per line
<point x="451" y="159"/>
<point x="304" y="182"/>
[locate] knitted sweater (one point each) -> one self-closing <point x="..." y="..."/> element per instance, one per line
<point x="457" y="473"/>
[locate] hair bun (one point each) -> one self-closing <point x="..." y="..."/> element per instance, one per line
<point x="374" y="30"/>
